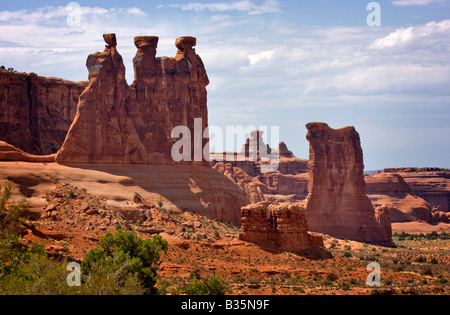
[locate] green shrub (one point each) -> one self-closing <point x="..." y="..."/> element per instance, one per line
<point x="213" y="286"/>
<point x="125" y="260"/>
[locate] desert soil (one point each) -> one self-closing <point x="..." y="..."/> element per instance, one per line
<point x="75" y="217"/>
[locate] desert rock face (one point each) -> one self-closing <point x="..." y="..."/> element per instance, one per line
<point x="392" y="191"/>
<point x="289" y="183"/>
<point x="250" y="186"/>
<point x="36" y="112"/>
<point x="117" y="123"/>
<point x="11" y="153"/>
<point x="126" y="131"/>
<point x="283" y="226"/>
<point x="337" y="203"/>
<point x="387" y="183"/>
<point x="431" y="184"/>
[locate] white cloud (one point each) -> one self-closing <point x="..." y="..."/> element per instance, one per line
<point x="269" y="6"/>
<point x="42" y="41"/>
<point x="416" y="2"/>
<point x="425" y="36"/>
<point x="55" y="15"/>
<point x="261" y="57"/>
<point x="136" y="11"/>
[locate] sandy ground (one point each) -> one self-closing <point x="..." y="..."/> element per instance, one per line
<point x="199" y="244"/>
<point x="177" y="187"/>
<point x="194" y="188"/>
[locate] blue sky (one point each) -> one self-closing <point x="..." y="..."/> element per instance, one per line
<point x="274" y="62"/>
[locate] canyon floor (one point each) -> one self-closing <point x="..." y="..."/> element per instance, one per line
<point x="77" y="213"/>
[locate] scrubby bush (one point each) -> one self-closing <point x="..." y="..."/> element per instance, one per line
<point x="122" y="264"/>
<point x="126" y="261"/>
<point x="212" y="286"/>
<point x="25" y="270"/>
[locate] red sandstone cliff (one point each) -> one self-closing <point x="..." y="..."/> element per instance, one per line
<point x="117" y="127"/>
<point x="431" y="184"/>
<point x="391" y="190"/>
<point x="288" y="183"/>
<point x="36" y="112"/>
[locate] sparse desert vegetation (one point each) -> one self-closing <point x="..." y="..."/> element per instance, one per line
<point x="204" y="256"/>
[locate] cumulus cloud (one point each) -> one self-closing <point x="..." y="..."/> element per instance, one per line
<point x="425" y="36"/>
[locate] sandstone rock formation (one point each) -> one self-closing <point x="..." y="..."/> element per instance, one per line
<point x="250" y="186"/>
<point x="440" y="216"/>
<point x="337" y="203"/>
<point x="392" y="191"/>
<point x="255" y="148"/>
<point x="11" y="153"/>
<point x="124" y="134"/>
<point x="382" y="215"/>
<point x="121" y="124"/>
<point x="281" y="226"/>
<point x="36" y="112"/>
<point x="102" y="132"/>
<point x="431" y="184"/>
<point x="288" y="183"/>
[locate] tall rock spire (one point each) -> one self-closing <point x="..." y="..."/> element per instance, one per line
<point x="121" y="124"/>
<point x="337" y="203"/>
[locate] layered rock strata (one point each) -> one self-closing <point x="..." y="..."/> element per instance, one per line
<point x="11" y="153"/>
<point x="128" y="131"/>
<point x="287" y="183"/>
<point x="392" y="191"/>
<point x="36" y="112"/>
<point x="280" y="226"/>
<point x="382" y="215"/>
<point x="337" y="203"/>
<point x="290" y="184"/>
<point x="431" y="184"/>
